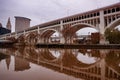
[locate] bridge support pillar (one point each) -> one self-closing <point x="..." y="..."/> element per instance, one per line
<point x="16" y="36"/>
<point x="102" y="28"/>
<point x="103" y="69"/>
<point x="62" y="39"/>
<point x="38" y="38"/>
<point x="61" y="62"/>
<point x="102" y="39"/>
<point x="69" y="40"/>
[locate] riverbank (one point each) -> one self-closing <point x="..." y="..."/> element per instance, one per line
<point x="6" y="44"/>
<point x="67" y="46"/>
<point x="80" y="46"/>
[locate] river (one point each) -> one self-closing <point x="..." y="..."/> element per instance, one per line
<point x="31" y="63"/>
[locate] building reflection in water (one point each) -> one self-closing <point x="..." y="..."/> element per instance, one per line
<point x="88" y="64"/>
<point x="8" y="59"/>
<point x="21" y="64"/>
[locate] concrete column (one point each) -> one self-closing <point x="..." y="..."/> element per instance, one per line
<point x="102" y="27"/>
<point x="90" y="22"/>
<point x="107" y="20"/>
<point x="71" y="40"/>
<point x="49" y="40"/>
<point x="24" y="32"/>
<point x="103" y="69"/>
<point x="39" y="40"/>
<point x="102" y="24"/>
<point x="93" y="22"/>
<point x="111" y="18"/>
<point x="38" y="30"/>
<point x="61" y="58"/>
<point x="15" y="35"/>
<point x="42" y="40"/>
<point x="62" y="40"/>
<point x="97" y="24"/>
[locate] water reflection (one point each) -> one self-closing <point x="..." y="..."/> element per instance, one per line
<point x="21" y="64"/>
<point x="8" y="60"/>
<point x="88" y="64"/>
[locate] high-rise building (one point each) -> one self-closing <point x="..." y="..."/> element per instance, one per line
<point x="21" y="23"/>
<point x="8" y="26"/>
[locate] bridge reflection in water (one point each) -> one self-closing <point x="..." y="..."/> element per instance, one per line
<point x="88" y="64"/>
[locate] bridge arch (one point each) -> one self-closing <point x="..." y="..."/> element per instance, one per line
<point x="46" y="34"/>
<point x="70" y="33"/>
<point x="113" y="24"/>
<point x="46" y="55"/>
<point x="82" y="25"/>
<point x="47" y="31"/>
<point x="11" y="39"/>
<point x="86" y="24"/>
<point x="31" y="38"/>
<point x="21" y="38"/>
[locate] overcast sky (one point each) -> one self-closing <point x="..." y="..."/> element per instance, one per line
<point x="40" y="11"/>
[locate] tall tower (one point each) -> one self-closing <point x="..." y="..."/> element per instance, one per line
<point x="8" y="26"/>
<point x="21" y="23"/>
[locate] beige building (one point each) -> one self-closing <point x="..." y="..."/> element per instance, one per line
<point x="21" y="23"/>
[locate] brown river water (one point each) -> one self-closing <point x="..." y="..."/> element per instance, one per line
<point x="30" y="63"/>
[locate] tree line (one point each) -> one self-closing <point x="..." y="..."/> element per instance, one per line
<point x="113" y="36"/>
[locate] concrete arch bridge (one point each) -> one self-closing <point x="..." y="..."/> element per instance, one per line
<point x="99" y="19"/>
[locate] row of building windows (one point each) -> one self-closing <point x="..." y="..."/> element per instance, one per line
<point x="112" y="10"/>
